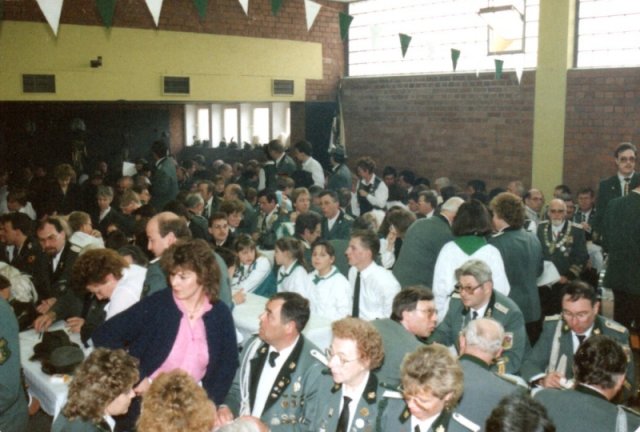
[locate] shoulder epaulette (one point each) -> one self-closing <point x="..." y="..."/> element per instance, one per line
<point x="544" y="222"/>
<point x="455" y="295"/>
<point x="498" y="234"/>
<point x="348" y="217"/>
<point x="465" y="422"/>
<point x="555" y="317"/>
<point x="575" y="225"/>
<point x="391" y="394"/>
<point x="502" y="308"/>
<point x="630" y="410"/>
<point x="615" y="326"/>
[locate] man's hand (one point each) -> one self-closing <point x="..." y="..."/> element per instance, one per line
<point x="46" y="304"/>
<point x="75" y="324"/>
<point x="225" y="416"/>
<point x="142" y="387"/>
<point x="552" y="380"/>
<point x="44" y="321"/>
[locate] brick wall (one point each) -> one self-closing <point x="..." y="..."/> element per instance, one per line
<point x="224" y="17"/>
<point x="603" y="110"/>
<point x="455" y="125"/>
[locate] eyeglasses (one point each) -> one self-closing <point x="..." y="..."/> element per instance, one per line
<point x="580" y="316"/>
<point x="428" y="312"/>
<point x="341" y="360"/>
<point x="554" y="211"/>
<point x="624" y="159"/>
<point x="467" y="290"/>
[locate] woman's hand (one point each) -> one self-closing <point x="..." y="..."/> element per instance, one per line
<point x="142" y="387"/>
<point x="239" y="297"/>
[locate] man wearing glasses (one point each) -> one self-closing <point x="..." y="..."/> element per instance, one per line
<point x="550" y="363"/>
<point x="475" y="298"/>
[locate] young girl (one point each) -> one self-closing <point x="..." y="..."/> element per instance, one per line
<point x="329" y="291"/>
<point x="292" y="274"/>
<point x="251" y="270"/>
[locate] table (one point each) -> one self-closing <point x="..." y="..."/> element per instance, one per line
<point x="50" y="390"/>
<point x="246" y="317"/>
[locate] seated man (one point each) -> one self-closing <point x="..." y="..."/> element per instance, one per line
<point x="480" y="345"/>
<point x="476" y="298"/>
<point x="278" y="376"/>
<point x="269" y="220"/>
<point x="599" y="366"/>
<point x="413" y="317"/>
<point x="336" y="224"/>
<point x="550" y="363"/>
<point x="219" y="230"/>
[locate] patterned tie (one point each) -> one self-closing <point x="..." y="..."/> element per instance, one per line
<point x="356" y="298"/>
<point x="626" y="186"/>
<point x="343" y="421"/>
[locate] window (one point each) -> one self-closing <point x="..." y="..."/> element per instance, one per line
<point x="204" y="120"/>
<point x="261" y="125"/>
<point x="436" y="26"/>
<point x="608" y="33"/>
<point x="230" y="127"/>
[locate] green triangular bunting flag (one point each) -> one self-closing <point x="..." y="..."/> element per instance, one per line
<point x="455" y="55"/>
<point x="106" y="8"/>
<point x="201" y="5"/>
<point x="345" y="22"/>
<point x="499" y="64"/>
<point x="405" y="40"/>
<point x="275" y="6"/>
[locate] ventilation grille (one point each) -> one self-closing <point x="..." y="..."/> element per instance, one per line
<point x="176" y="85"/>
<point x="39" y="83"/>
<point x="282" y="87"/>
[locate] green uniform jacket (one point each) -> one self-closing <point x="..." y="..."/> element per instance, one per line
<point x="420" y="250"/>
<point x="502" y="309"/>
<point x="164" y="184"/>
<point x="339" y="177"/>
<point x="622" y="238"/>
<point x="582" y="409"/>
<point x="569" y="252"/>
<point x="608" y="190"/>
<point x="537" y="361"/>
<point x="397" y="418"/>
<point x="62" y="424"/>
<point x="328" y="406"/>
<point x="397" y="342"/>
<point x="13" y="405"/>
<point x="341" y="228"/>
<point x="522" y="256"/>
<point x="292" y="402"/>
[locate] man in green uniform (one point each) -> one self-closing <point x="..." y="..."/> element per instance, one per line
<point x="336" y="224"/>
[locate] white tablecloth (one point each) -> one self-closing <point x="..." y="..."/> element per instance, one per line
<point x="246" y="317"/>
<point x="50" y="390"/>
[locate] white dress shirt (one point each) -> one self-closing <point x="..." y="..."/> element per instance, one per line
<point x="317" y="173"/>
<point x="330" y="296"/>
<point x="378" y="287"/>
<point x="293" y="279"/>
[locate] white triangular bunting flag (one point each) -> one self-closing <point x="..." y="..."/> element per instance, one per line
<point x="311" y="10"/>
<point x="245" y="6"/>
<point x="519" y="68"/>
<point x="51" y="10"/>
<point x="155" y="6"/>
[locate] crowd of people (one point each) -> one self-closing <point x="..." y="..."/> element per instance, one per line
<point x="449" y="305"/>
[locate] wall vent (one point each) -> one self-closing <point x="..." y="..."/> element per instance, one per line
<point x="282" y="87"/>
<point x="38" y="83"/>
<point x="176" y="85"/>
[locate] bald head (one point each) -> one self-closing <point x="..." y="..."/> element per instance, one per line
<point x="163" y="230"/>
<point x="482" y="338"/>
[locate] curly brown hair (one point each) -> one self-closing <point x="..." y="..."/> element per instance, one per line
<point x="434" y="369"/>
<point x="101" y="378"/>
<point x="198" y="257"/>
<point x="510" y="208"/>
<point x="93" y="266"/>
<point x="175" y="402"/>
<point x="365" y="335"/>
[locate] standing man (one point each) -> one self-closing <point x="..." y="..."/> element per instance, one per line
<point x="279" y="165"/>
<point x="427" y="204"/>
<point x="534" y="201"/>
<point x="413" y="319"/>
<point x="422" y="244"/>
<point x="336" y="224"/>
<point x="340" y="174"/>
<point x="164" y="181"/>
<point x="277" y="381"/>
<point x="563" y="243"/>
<point x="303" y="153"/>
<point x="625" y="180"/>
<point x="550" y="363"/>
<point x="475" y="298"/>
<point x="374" y="287"/>
<point x="371" y="191"/>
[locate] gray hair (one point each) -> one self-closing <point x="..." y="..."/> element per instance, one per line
<point x="239" y="425"/>
<point x="104" y="191"/>
<point x="486" y="334"/>
<point x="193" y="200"/>
<point x="452" y="204"/>
<point x="476" y="268"/>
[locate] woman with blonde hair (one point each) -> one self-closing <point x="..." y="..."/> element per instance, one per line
<point x="176" y="403"/>
<point x="102" y="387"/>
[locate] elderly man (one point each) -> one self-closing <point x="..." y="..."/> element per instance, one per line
<point x="475" y="298"/>
<point x="373" y="286"/>
<point x="599" y="366"/>
<point x="277" y="381"/>
<point x="413" y="318"/>
<point x="564" y="244"/>
<point x="422" y="244"/>
<point x="481" y="343"/>
<point x="550" y="363"/>
<point x="522" y="256"/>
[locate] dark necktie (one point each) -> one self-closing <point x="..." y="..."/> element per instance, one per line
<point x="581" y="339"/>
<point x="356" y="298"/>
<point x="626" y="186"/>
<point x="273" y="355"/>
<point x="416" y="429"/>
<point x="343" y="421"/>
<point x="474" y="315"/>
